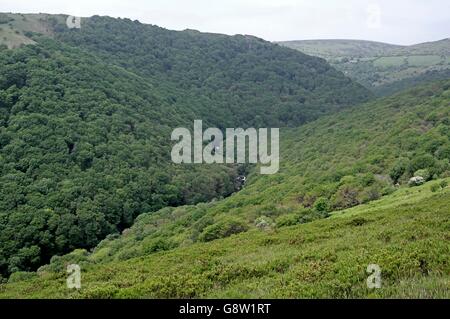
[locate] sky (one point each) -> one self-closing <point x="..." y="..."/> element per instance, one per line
<point x="393" y="21"/>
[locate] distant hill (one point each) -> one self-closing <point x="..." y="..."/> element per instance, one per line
<point x="335" y="49"/>
<point x="383" y="68"/>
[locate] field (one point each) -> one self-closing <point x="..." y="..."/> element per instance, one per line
<point x="381" y="67"/>
<point x="386" y="62"/>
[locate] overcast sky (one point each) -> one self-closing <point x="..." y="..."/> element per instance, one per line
<point x="392" y="21"/>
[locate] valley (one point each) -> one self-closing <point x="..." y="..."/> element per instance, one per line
<point x="90" y="120"/>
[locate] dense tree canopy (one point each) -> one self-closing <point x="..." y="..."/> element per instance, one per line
<point x="84" y="149"/>
<point x="239" y="80"/>
<point x="86" y="117"/>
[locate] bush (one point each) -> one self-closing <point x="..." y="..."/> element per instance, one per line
<point x="59" y="263"/>
<point x="346" y="197"/>
<point x="398" y="169"/>
<point x="322" y="205"/>
<point x="423" y="173"/>
<point x="264" y="223"/>
<point x="416" y="181"/>
<point x="287" y="220"/>
<point x="435" y="187"/>
<point x="371" y="193"/>
<point x="21" y="276"/>
<point x="159" y="244"/>
<point x="222" y="229"/>
<point x="443" y="184"/>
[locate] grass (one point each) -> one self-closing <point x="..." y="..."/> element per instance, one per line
<point x="403" y="196"/>
<point x="12" y="34"/>
<point x="406" y="234"/>
<point x="389" y="61"/>
<point x="11" y="39"/>
<point x="424" y="60"/>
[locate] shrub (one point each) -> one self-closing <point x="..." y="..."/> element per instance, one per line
<point x="346" y="197"/>
<point x="103" y="292"/>
<point x="443" y="184"/>
<point x="59" y="263"/>
<point x="416" y="181"/>
<point x="158" y="244"/>
<point x="21" y="276"/>
<point x="287" y="220"/>
<point x="371" y="193"/>
<point x="435" y="187"/>
<point x="398" y="170"/>
<point x="264" y="223"/>
<point x="423" y="173"/>
<point x="222" y="229"/>
<point x="322" y="205"/>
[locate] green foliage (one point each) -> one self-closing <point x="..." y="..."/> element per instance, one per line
<point x="337" y="168"/>
<point x="402" y="233"/>
<point x="423" y="173"/>
<point x="287" y="220"/>
<point x="322" y="205"/>
<point x="21" y="276"/>
<point x="398" y="169"/>
<point x="434" y="188"/>
<point x="84" y="155"/>
<point x="84" y="149"/>
<point x="60" y="263"/>
<point x="222" y="229"/>
<point x="86" y="118"/>
<point x="230" y="81"/>
<point x="159" y="244"/>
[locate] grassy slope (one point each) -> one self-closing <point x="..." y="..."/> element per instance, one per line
<point x="13" y="33"/>
<point x="381" y="66"/>
<point x="330" y="49"/>
<point x="406" y="234"/>
<point x="356" y="148"/>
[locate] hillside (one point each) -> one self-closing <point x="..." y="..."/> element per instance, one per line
<point x="86" y="116"/>
<point x="297" y="233"/>
<point x="381" y="67"/>
<point x="246" y="80"/>
<point x="335" y="49"/>
<point x="334" y="163"/>
<point x="15" y="28"/>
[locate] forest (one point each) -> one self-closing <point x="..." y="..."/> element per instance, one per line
<point x="86" y="175"/>
<point x="85" y="123"/>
